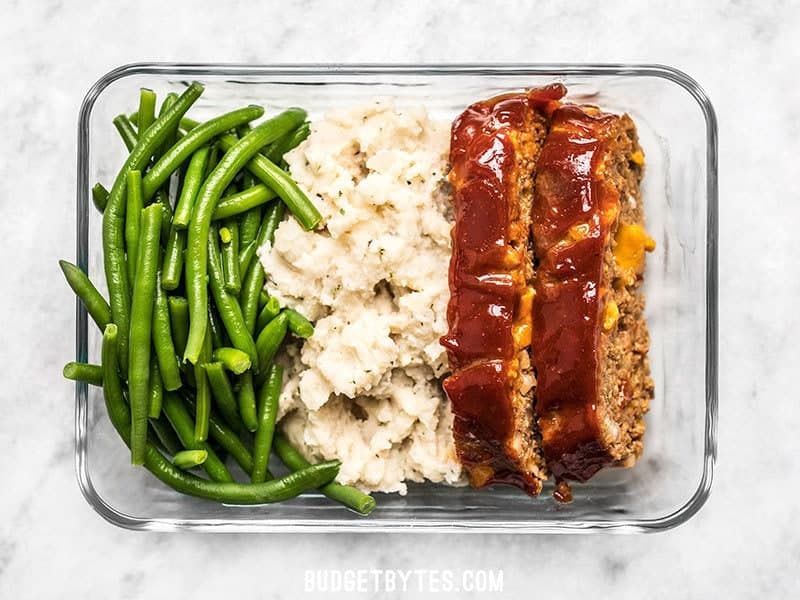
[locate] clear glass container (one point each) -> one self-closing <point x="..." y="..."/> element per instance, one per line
<point x="677" y="128"/>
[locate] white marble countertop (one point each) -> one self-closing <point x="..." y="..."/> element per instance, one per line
<point x="744" y="543"/>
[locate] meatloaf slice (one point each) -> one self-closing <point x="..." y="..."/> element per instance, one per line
<point x="494" y="148"/>
<point x="590" y="338"/>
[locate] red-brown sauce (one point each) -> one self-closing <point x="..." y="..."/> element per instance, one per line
<point x="572" y="212"/>
<point x="485" y="289"/>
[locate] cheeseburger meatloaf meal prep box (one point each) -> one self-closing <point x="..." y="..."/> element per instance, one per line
<point x="487" y="334"/>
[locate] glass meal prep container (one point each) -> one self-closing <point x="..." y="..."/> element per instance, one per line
<point x="677" y="130"/>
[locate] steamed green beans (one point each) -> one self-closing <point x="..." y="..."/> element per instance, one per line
<point x="99" y="197"/>
<point x="227" y="304"/>
<point x="182" y="423"/>
<point x="114" y="264"/>
<point x="162" y="341"/>
<point x="223" y="394"/>
<point x="253" y="283"/>
<point x="141" y="322"/>
<point x="192" y="141"/>
<point x="268" y="411"/>
<point x="188" y="459"/>
<point x="232" y="359"/>
<point x="349" y="496"/>
<point x="235" y="158"/>
<point x="91" y="374"/>
<point x="275" y="490"/>
<point x="95" y="304"/>
<point x="133" y="213"/>
<point x="152" y="258"/>
<point x="268" y="312"/>
<point x="172" y="268"/>
<point x="126" y="131"/>
<point x="192" y="181"/>
<point x="236" y="204"/>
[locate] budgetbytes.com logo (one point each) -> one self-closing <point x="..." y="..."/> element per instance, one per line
<point x="402" y="580"/>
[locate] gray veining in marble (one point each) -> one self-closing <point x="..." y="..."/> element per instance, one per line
<point x="745" y="543"/>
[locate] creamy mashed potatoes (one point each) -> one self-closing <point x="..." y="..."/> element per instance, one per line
<point x="365" y="387"/>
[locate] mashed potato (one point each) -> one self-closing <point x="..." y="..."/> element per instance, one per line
<point x="365" y="387"/>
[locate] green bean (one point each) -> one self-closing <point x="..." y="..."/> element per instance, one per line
<point x="162" y="342"/>
<point x="223" y="394"/>
<point x="113" y="216"/>
<point x="298" y="324"/>
<point x="133" y="220"/>
<point x="99" y="197"/>
<point x="95" y="304"/>
<point x="230" y="259"/>
<point x="270" y="339"/>
<point x="91" y="374"/>
<point x="227" y="439"/>
<point x="263" y="298"/>
<point x="249" y="224"/>
<point x="246" y="398"/>
<point x="170" y="140"/>
<point x="251" y="220"/>
<point x="187" y="124"/>
<point x="243" y="201"/>
<point x="203" y="391"/>
<point x="225" y="235"/>
<point x="227" y="304"/>
<point x="182" y="423"/>
<point x="230" y="493"/>
<point x="251" y="286"/>
<point x="273" y="151"/>
<point x="156" y="391"/>
<point x="246" y="255"/>
<point x="166" y="435"/>
<point x="199" y="136"/>
<point x="162" y="199"/>
<point x="187" y="459"/>
<point x="141" y="322"/>
<point x="269" y="312"/>
<point x="349" y="496"/>
<point x="232" y="359"/>
<point x="112" y="388"/>
<point x="213" y="161"/>
<point x="179" y="321"/>
<point x="172" y="267"/>
<point x="282" y="184"/>
<point x="147" y="109"/>
<point x="126" y="131"/>
<point x="216" y="327"/>
<point x="276" y="490"/>
<point x="197" y="247"/>
<point x="272" y="218"/>
<point x="253" y="283"/>
<point x="288" y="142"/>
<point x="269" y="395"/>
<point x="192" y="180"/>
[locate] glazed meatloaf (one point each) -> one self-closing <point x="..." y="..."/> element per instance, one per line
<point x="590" y="338"/>
<point x="547" y="341"/>
<point x="493" y="153"/>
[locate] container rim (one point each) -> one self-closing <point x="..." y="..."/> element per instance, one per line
<point x="556" y="70"/>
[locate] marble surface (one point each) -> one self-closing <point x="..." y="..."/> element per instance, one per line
<point x="744" y="543"/>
